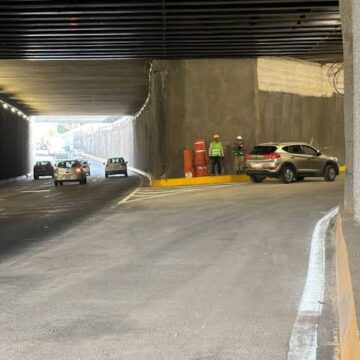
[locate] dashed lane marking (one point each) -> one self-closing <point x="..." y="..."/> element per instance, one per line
<point x="36" y="191"/>
<point x="52" y="195"/>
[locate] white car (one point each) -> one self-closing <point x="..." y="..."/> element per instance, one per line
<point x="116" y="166"/>
<point x="86" y="166"/>
<point x="69" y="171"/>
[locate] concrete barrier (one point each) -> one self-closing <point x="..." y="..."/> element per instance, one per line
<point x="348" y="327"/>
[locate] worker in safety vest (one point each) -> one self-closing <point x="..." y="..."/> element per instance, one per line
<point x="239" y="149"/>
<point x="216" y="154"/>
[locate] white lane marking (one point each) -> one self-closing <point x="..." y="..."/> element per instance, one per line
<point x="49" y="196"/>
<point x="94" y="180"/>
<point x="126" y="198"/>
<point x="36" y="191"/>
<point x="21" y="188"/>
<point x="158" y="194"/>
<point x="303" y="341"/>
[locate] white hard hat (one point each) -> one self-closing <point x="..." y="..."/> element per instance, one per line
<point x="239" y="138"/>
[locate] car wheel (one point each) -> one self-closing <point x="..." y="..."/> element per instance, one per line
<point x="126" y="174"/>
<point x="330" y="173"/>
<point x="36" y="177"/>
<point x="256" y="178"/>
<point x="84" y="181"/>
<point x="56" y="183"/>
<point x="106" y="175"/>
<point x="288" y="175"/>
<point x="61" y="183"/>
<point x="300" y="178"/>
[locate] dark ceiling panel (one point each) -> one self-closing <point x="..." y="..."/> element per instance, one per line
<point x="85" y="29"/>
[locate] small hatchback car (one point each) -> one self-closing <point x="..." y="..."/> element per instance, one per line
<point x="43" y="168"/>
<point x="69" y="171"/>
<point x="115" y="166"/>
<point x="289" y="162"/>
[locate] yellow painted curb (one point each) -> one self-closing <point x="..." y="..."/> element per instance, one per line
<point x="348" y="327"/>
<point x="200" y="180"/>
<point x="342" y="168"/>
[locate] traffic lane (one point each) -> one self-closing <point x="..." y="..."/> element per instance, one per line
<point x="208" y="274"/>
<point x="33" y="210"/>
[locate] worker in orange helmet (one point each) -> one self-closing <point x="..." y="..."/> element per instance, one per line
<point x="216" y="154"/>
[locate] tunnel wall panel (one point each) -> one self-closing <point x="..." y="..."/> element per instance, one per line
<point x="137" y="139"/>
<point x="14" y="145"/>
<point x="191" y="98"/>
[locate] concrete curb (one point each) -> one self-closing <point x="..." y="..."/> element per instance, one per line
<point x="205" y="180"/>
<point x="11" y="180"/>
<point x="348" y="327"/>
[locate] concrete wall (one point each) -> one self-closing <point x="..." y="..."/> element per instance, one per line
<point x="191" y="98"/>
<point x="14" y="145"/>
<point x="204" y="97"/>
<point x="289" y="117"/>
<point x="137" y="139"/>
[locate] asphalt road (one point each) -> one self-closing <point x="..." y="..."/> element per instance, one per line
<point x="31" y="210"/>
<point x="202" y="273"/>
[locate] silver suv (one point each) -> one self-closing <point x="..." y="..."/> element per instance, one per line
<point x="289" y="162"/>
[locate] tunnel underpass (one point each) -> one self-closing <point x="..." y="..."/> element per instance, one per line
<point x="158" y="265"/>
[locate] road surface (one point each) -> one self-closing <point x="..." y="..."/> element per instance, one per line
<point x="199" y="273"/>
<point x="31" y="211"/>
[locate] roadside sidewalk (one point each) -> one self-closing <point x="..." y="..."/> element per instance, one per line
<point x="352" y="236"/>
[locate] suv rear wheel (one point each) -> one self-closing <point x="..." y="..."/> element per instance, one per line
<point x="287" y="174"/>
<point x="257" y="178"/>
<point x="330" y="173"/>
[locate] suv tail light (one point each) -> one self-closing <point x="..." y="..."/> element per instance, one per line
<point x="272" y="156"/>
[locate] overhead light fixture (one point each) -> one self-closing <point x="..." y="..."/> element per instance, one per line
<point x="13" y="109"/>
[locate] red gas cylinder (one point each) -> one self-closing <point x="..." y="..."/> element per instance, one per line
<point x="201" y="170"/>
<point x="189" y="163"/>
<point x="200" y="152"/>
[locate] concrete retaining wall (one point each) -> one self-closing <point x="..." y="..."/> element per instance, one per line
<point x="14" y="145"/>
<point x="191" y="98"/>
<point x="136" y="139"/>
<point x="204" y="97"/>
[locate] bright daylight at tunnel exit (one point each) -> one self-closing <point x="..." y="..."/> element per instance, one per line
<point x="179" y="180"/>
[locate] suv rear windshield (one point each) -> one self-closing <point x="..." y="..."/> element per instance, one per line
<point x="116" y="161"/>
<point x="263" y="149"/>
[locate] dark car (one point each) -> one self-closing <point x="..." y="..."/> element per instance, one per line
<point x="43" y="168"/>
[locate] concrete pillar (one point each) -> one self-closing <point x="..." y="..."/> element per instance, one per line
<point x="350" y="15"/>
<point x="356" y="103"/>
<point x="346" y="19"/>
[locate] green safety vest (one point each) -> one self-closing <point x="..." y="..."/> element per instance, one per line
<point x="216" y="149"/>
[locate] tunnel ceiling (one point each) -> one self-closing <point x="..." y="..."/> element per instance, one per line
<point x="80" y="87"/>
<point x="109" y="44"/>
<point x="44" y="29"/>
